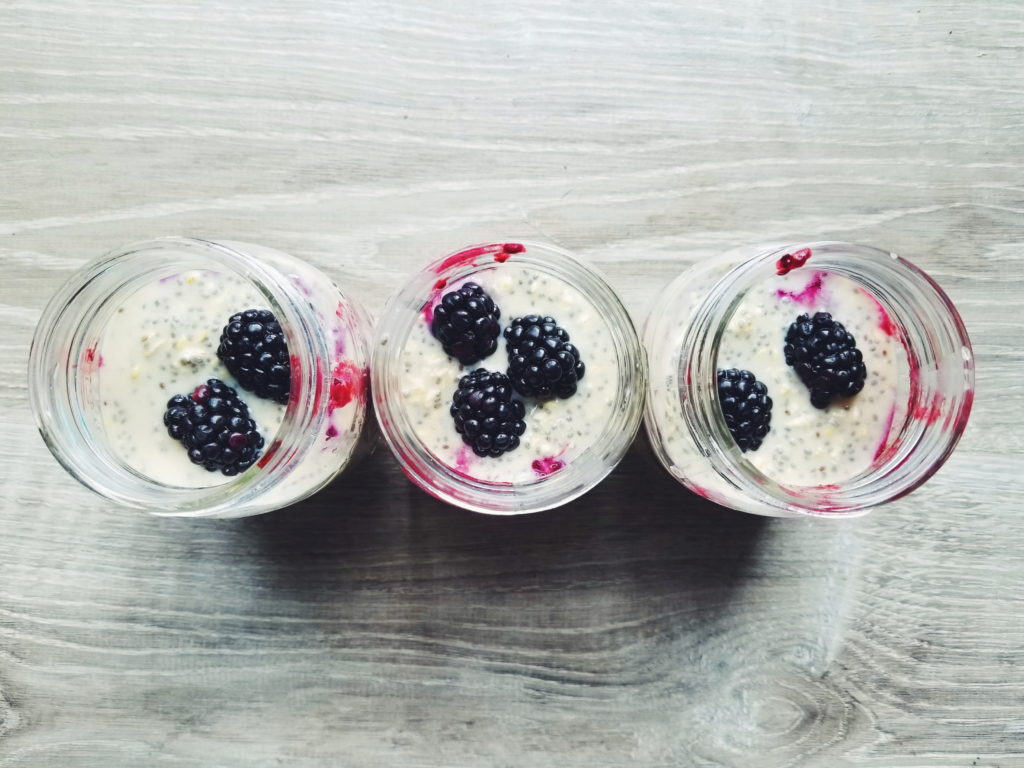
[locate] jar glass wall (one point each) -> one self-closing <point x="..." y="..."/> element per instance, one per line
<point x="569" y="444"/>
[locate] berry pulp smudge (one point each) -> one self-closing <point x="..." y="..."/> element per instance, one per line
<point x="808" y="295"/>
<point x="435" y="297"/>
<point x="500" y="252"/>
<point x="347" y="384"/>
<point x="883" y="445"/>
<point x="547" y="466"/>
<point x="885" y="322"/>
<point x="793" y="260"/>
<point x="462" y="459"/>
<point x="507" y="250"/>
<point x="930" y="412"/>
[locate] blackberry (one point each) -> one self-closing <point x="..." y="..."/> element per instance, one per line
<point x="825" y="357"/>
<point x="253" y="348"/>
<point x="541" y="361"/>
<point x="466" y="324"/>
<point x="485" y="414"/>
<point x="215" y="427"/>
<point x="746" y="407"/>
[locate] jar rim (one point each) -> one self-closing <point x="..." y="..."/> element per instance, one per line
<point x="405" y="308"/>
<point x="886" y="481"/>
<point x="75" y="314"/>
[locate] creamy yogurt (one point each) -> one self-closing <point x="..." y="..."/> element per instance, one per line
<point x="557" y="430"/>
<point x="808" y="445"/>
<point x="162" y="341"/>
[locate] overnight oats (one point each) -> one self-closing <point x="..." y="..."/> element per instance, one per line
<point x="817" y="379"/>
<point x="198" y="378"/>
<point x="508" y="378"/>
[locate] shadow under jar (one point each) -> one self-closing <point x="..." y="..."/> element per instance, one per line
<point x="570" y="443"/>
<point x="734" y="311"/>
<point x="143" y="323"/>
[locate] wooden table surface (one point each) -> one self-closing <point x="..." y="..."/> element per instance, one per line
<point x="372" y="626"/>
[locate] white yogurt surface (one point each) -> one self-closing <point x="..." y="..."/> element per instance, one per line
<point x="556" y="429"/>
<point x="807" y="445"/>
<point x="160" y="342"/>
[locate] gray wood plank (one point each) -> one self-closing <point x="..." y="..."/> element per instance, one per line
<point x="372" y="625"/>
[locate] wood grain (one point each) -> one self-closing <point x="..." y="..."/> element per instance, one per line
<point x="373" y="626"/>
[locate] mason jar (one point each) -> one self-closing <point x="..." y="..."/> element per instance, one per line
<point x="570" y="443"/>
<point x="132" y="329"/>
<point x="734" y="312"/>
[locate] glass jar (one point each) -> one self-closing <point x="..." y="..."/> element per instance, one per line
<point x="327" y="334"/>
<point x="683" y="416"/>
<point x="564" y="452"/>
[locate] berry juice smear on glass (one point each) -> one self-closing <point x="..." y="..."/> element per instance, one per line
<point x="509" y="378"/>
<point x="820" y="379"/>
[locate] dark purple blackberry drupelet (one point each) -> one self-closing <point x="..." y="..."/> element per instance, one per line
<point x="746" y="407"/>
<point x="254" y="350"/>
<point x="485" y="414"/>
<point x="541" y="361"/>
<point x="825" y="357"/>
<point x="215" y="427"/>
<point x="466" y="324"/>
